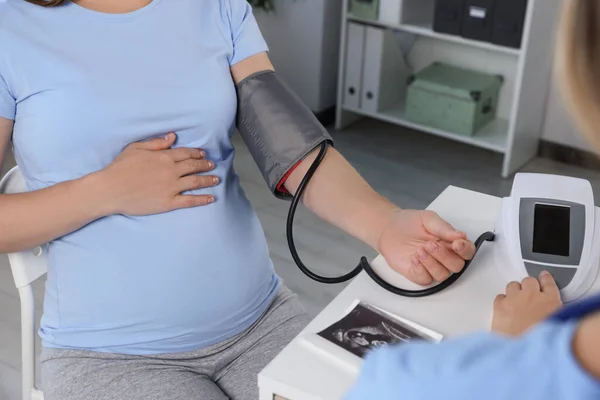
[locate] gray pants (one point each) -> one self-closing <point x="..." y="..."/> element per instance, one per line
<point x="223" y="371"/>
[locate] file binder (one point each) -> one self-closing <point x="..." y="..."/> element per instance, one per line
<point x="385" y="73"/>
<point x="354" y="64"/>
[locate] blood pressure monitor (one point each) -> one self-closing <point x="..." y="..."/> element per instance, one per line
<point x="549" y="223"/>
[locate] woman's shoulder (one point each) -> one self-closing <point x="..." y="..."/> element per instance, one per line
<point x="7" y="6"/>
<point x="4" y="11"/>
<point x="200" y="11"/>
<point x="18" y="20"/>
<point x="230" y="10"/>
<point x="12" y="12"/>
<point x="224" y="15"/>
<point x="6" y="19"/>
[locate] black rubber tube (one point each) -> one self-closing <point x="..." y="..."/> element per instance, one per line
<point x="364" y="264"/>
<point x="290" y="226"/>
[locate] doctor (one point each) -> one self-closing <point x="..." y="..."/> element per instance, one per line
<point x="533" y="352"/>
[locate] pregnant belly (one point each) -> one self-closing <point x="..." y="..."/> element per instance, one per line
<point x="191" y="272"/>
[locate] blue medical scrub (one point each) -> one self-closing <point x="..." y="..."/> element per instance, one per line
<point x="538" y="366"/>
<point x="81" y="85"/>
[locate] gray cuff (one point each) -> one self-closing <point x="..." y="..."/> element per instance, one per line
<point x="277" y="127"/>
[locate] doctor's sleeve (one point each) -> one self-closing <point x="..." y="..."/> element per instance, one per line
<point x="540" y="365"/>
<point x="246" y="36"/>
<point x="7" y="101"/>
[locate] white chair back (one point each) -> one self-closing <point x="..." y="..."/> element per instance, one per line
<point x="27" y="266"/>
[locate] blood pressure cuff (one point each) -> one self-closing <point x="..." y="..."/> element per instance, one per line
<point x="279" y="130"/>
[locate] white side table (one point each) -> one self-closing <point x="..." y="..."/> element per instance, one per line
<point x="300" y="372"/>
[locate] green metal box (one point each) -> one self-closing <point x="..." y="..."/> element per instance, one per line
<point x="368" y="9"/>
<point x="453" y="99"/>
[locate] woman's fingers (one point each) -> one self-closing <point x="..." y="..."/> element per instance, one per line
<point x="439" y="227"/>
<point x="464" y="248"/>
<point x="156" y="144"/>
<point x="185" y="153"/>
<point x="446" y="256"/>
<point x="188" y="201"/>
<point x="418" y="274"/>
<point x="433" y="266"/>
<point x="192" y="166"/>
<point x="192" y="182"/>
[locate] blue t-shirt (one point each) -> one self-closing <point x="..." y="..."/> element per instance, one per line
<point x="538" y="366"/>
<point x="81" y="85"/>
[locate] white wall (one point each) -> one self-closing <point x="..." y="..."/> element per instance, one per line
<point x="303" y="37"/>
<point x="330" y="52"/>
<point x="559" y="126"/>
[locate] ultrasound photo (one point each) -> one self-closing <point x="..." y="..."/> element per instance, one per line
<point x="365" y="329"/>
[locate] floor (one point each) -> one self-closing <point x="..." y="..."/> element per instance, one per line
<point x="409" y="168"/>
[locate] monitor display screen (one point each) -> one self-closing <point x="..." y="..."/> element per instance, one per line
<point x="551" y="230"/>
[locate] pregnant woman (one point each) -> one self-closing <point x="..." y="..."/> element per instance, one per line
<point x="160" y="284"/>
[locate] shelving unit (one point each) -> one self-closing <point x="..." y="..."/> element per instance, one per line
<point x="516" y="131"/>
<point x="425" y="29"/>
<point x="491" y="137"/>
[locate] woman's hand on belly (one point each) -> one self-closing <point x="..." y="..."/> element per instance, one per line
<point x="149" y="178"/>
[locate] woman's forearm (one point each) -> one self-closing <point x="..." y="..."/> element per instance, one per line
<point x="340" y="196"/>
<point x="33" y="218"/>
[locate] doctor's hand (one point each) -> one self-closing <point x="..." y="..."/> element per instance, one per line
<point x="525" y="304"/>
<point x="423" y="247"/>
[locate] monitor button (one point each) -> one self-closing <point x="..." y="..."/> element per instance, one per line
<point x="562" y="276"/>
